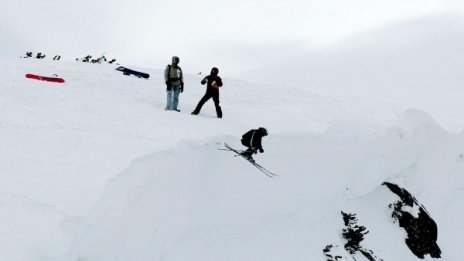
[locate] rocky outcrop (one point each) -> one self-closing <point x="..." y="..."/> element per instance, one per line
<point x="421" y="229"/>
<point x="354" y="235"/>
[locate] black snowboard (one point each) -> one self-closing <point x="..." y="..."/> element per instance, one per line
<point x="127" y="71"/>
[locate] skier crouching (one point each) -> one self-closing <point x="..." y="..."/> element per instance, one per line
<point x="252" y="140"/>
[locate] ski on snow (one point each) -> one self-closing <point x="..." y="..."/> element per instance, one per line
<point x="239" y="153"/>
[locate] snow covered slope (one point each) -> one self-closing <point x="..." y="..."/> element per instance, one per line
<point x="95" y="169"/>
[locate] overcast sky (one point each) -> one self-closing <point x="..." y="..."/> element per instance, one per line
<point x="233" y="35"/>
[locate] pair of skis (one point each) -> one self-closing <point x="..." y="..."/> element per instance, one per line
<point x="240" y="153"/>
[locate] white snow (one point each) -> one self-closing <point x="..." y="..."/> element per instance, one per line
<point x="95" y="169"/>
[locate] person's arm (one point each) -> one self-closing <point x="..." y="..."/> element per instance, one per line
<point x="181" y="81"/>
<point x="259" y="146"/>
<point x="204" y="80"/>
<point x="219" y="81"/>
<point x="166" y="75"/>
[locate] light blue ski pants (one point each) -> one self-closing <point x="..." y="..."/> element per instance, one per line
<point x="173" y="97"/>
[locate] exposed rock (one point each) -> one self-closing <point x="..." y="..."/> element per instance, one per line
<point x="421" y="228"/>
<point x="329" y="255"/>
<point x="353" y="233"/>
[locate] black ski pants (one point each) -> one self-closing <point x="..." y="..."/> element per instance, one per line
<point x="208" y="95"/>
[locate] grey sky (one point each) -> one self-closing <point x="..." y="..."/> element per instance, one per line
<point x="232" y="35"/>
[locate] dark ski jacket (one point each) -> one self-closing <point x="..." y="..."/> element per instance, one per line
<point x="209" y="80"/>
<point x="253" y="139"/>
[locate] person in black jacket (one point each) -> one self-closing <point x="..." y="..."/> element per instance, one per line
<point x="252" y="140"/>
<point x="213" y="82"/>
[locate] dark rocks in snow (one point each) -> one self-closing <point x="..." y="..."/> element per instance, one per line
<point x="88" y="59"/>
<point x="99" y="60"/>
<point x="421" y="228"/>
<point x="329" y="255"/>
<point x="354" y="234"/>
<point x="369" y="254"/>
<point x="40" y="56"/>
<point x="28" y="55"/>
<point x="57" y="57"/>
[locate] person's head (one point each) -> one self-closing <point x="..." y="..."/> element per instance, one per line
<point x="175" y="60"/>
<point x="263" y="131"/>
<point x="214" y="71"/>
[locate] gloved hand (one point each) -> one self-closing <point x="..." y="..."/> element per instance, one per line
<point x="181" y="88"/>
<point x="167" y="83"/>
<point x="261" y="150"/>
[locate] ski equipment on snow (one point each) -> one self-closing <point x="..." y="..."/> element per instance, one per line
<point x="45" y="78"/>
<point x="249" y="159"/>
<point x="127" y="71"/>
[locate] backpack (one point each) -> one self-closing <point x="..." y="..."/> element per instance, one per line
<point x="169" y="74"/>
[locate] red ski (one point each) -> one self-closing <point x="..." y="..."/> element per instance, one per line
<point x="44" y="78"/>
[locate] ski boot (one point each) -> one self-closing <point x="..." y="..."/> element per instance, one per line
<point x="247" y="156"/>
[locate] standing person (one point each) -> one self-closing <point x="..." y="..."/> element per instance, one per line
<point x="213" y="82"/>
<point x="174" y="84"/>
<point x="252" y="140"/>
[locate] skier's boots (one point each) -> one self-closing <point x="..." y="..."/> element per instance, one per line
<point x="247" y="155"/>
